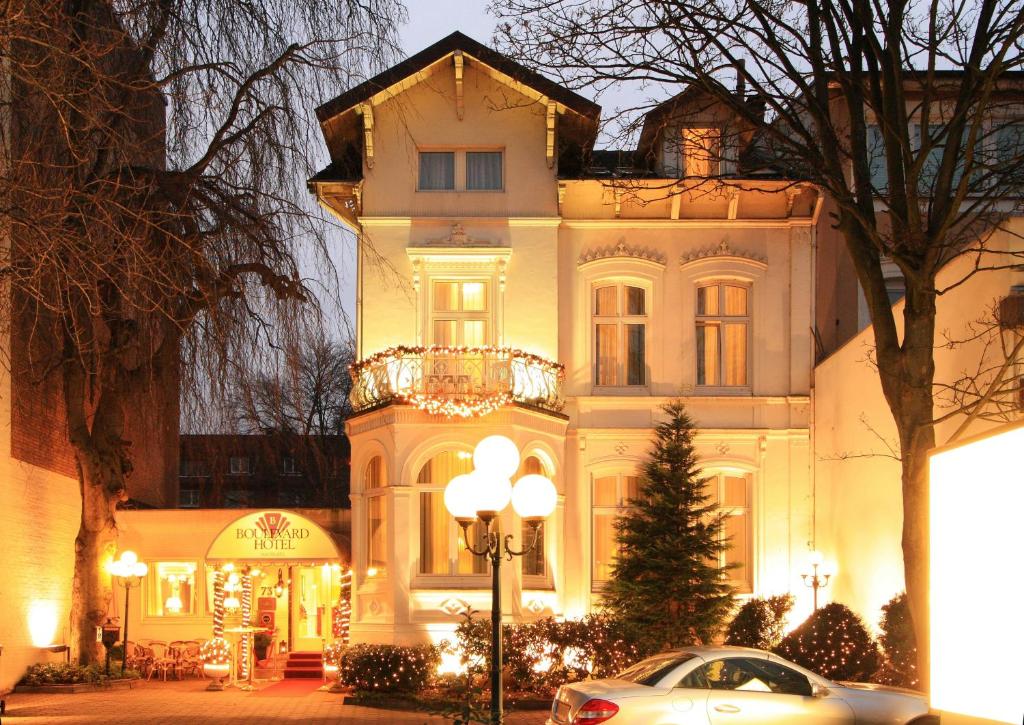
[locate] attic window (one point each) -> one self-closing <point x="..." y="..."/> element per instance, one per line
<point x="701" y="151"/>
<point x="437" y="171"/>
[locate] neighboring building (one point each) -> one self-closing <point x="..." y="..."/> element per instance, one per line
<point x="519" y="281"/>
<point x="267" y="470"/>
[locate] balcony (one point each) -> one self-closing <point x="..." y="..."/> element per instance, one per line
<point x="456" y="382"/>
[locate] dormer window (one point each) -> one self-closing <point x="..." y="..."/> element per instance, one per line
<point x="702" y="151"/>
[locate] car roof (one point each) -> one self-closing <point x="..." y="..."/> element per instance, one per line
<point x="722" y="650"/>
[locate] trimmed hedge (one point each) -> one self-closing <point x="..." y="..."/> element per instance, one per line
<point x="760" y="623"/>
<point x="834" y="643"/>
<point x="388" y="668"/>
<point x="71" y="674"/>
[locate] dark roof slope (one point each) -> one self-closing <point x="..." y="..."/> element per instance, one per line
<point x="458" y="41"/>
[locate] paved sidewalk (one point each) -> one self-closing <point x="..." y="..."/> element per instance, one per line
<point x="188" y="703"/>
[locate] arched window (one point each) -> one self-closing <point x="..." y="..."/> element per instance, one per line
<point x="534" y="563"/>
<point x="730" y="492"/>
<point x="620" y="334"/>
<point x="441" y="549"/>
<point x="723" y="334"/>
<point x="611" y="495"/>
<point x="374" y="477"/>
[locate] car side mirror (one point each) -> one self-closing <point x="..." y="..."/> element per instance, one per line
<point x="818" y="690"/>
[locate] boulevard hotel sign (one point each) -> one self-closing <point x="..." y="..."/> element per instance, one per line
<point x="273" y="536"/>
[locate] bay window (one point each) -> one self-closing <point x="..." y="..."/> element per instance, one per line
<point x="722" y="334"/>
<point x="441" y="552"/>
<point x="534" y="563"/>
<point x="374" y="479"/>
<point x="620" y="335"/>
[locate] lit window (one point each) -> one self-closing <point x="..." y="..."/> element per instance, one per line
<point x="620" y="335"/>
<point x="374" y="477"/>
<point x="239" y="466"/>
<point x="534" y="564"/>
<point x="460" y="312"/>
<point x="723" y="328"/>
<point x="441" y="549"/>
<point x="730" y="493"/>
<point x="437" y="171"/>
<point x="701" y="151"/>
<point x="172" y="589"/>
<point x="611" y="497"/>
<point x="483" y="171"/>
<point x="376" y="533"/>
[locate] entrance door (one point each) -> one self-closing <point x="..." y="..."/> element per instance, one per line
<point x="310" y="597"/>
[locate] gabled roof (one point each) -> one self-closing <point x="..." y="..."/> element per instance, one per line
<point x="430" y="55"/>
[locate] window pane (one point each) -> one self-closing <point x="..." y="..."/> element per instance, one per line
<point x="483" y="170"/>
<point x="630" y="489"/>
<point x="433" y="534"/>
<point x="474" y="296"/>
<point x="635" y="301"/>
<point x="446" y="296"/>
<point x="736" y="491"/>
<point x="735" y="354"/>
<point x="736" y="533"/>
<point x="711" y="491"/>
<point x="605" y="493"/>
<point x="635" y="362"/>
<point x="607" y="364"/>
<point x="474" y="333"/>
<point x="444" y="332"/>
<point x="469" y="563"/>
<point x="533" y="561"/>
<point x="374" y="479"/>
<point x="604" y="545"/>
<point x="437" y="170"/>
<point x="376" y="533"/>
<point x="530" y="464"/>
<point x="707" y="355"/>
<point x="604" y="301"/>
<point x="876" y="159"/>
<point x="173" y="589"/>
<point x="445" y="466"/>
<point x="735" y="300"/>
<point x="707" y="300"/>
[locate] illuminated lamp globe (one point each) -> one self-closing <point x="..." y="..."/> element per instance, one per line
<point x="231" y="603"/>
<point x="496" y="456"/>
<point x="534" y="497"/>
<point x="459" y="497"/>
<point x="129" y="557"/>
<point x="173" y="604"/>
<point x="490" y="494"/>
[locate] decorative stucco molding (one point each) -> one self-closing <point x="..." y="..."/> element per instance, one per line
<point x="723" y="250"/>
<point x="458" y="237"/>
<point x="621" y="250"/>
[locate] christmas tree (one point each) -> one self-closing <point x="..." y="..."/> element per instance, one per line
<point x="667" y="580"/>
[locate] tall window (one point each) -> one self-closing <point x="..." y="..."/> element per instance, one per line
<point x="483" y="171"/>
<point x="534" y="564"/>
<point x="376" y="516"/>
<point x="723" y="327"/>
<point x="460" y="312"/>
<point x="701" y="151"/>
<point x="437" y="171"/>
<point x="441" y="551"/>
<point x="620" y="335"/>
<point x="611" y="497"/>
<point x="731" y="494"/>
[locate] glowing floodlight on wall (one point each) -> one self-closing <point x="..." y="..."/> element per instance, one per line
<point x="977" y="634"/>
<point x="42" y="622"/>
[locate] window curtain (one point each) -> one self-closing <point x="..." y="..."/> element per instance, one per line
<point x="437" y="170"/>
<point x="707" y="354"/>
<point x="376" y="532"/>
<point x="606" y="354"/>
<point x="433" y="533"/>
<point x="735" y="354"/>
<point x="635" y="362"/>
<point x="483" y="170"/>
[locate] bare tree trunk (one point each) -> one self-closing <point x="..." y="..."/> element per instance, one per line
<point x="915" y="542"/>
<point x="95" y="544"/>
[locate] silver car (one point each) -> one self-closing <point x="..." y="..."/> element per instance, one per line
<point x="726" y="685"/>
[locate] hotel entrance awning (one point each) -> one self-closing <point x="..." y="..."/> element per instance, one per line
<point x="273" y="536"/>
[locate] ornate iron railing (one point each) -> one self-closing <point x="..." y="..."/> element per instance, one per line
<point x="456" y="381"/>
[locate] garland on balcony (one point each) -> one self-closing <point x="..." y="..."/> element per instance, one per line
<point x="449" y="407"/>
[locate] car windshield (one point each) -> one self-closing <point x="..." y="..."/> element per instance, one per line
<point x="651" y="670"/>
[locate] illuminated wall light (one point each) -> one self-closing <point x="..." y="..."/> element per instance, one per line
<point x="42" y="622"/>
<point x="977" y="589"/>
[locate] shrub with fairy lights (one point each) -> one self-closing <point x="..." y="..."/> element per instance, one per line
<point x="333" y="653"/>
<point x="834" y="643"/>
<point x="216" y="651"/>
<point x="760" y="622"/>
<point x="388" y="668"/>
<point x="899" y="647"/>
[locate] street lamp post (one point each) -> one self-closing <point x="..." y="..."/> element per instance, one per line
<point x="129" y="571"/>
<point x="815" y="580"/>
<point x="481" y="496"/>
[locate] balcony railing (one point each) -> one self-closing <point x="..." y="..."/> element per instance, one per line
<point x="456" y="381"/>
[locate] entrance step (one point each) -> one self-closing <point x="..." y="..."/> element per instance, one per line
<point x="304" y="666"/>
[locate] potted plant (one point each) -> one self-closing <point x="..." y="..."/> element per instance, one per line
<point x="260" y="645"/>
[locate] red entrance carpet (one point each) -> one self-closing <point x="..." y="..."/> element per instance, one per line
<point x="290" y="688"/>
<point x="304" y="665"/>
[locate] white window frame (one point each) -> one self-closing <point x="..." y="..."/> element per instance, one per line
<point x="720" y="320"/>
<point x="460" y="316"/>
<point x="621" y="320"/>
<point x="617" y="510"/>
